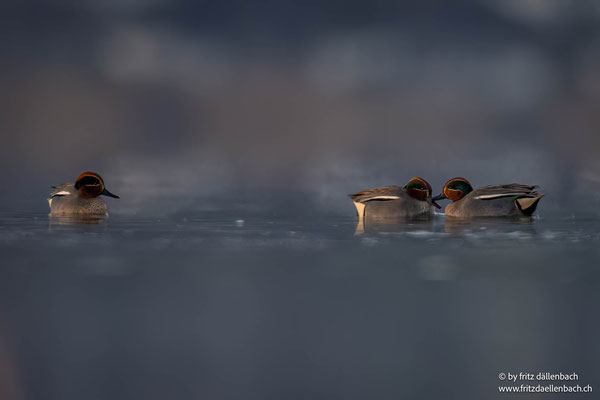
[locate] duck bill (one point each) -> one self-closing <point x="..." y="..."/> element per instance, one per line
<point x="109" y="194"/>
<point x="433" y="203"/>
<point x="440" y="196"/>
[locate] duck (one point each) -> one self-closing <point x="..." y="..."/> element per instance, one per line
<point x="81" y="197"/>
<point x="411" y="200"/>
<point x="509" y="200"/>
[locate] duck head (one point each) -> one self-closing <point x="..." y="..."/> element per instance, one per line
<point x="91" y="185"/>
<point x="455" y="189"/>
<point x="418" y="188"/>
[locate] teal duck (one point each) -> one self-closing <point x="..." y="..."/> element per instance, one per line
<point x="81" y="197"/>
<point x="513" y="199"/>
<point x="414" y="199"/>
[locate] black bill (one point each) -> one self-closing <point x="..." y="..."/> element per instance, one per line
<point x="109" y="194"/>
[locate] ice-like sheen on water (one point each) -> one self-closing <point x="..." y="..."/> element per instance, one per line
<point x="227" y="305"/>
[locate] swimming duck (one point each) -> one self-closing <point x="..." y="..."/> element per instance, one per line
<point x="80" y="197"/>
<point x="412" y="200"/>
<point x="508" y="200"/>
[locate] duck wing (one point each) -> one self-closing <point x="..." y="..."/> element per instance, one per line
<point x="62" y="190"/>
<point x="379" y="193"/>
<point x="508" y="190"/>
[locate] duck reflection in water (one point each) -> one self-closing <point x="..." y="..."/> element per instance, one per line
<point x="377" y="224"/>
<point x="75" y="219"/>
<point x="490" y="225"/>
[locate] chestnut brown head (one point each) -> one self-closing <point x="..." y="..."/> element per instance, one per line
<point x="455" y="189"/>
<point x="418" y="188"/>
<point x="90" y="185"/>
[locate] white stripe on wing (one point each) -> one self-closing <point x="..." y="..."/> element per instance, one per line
<point x="382" y="198"/>
<point x="496" y="196"/>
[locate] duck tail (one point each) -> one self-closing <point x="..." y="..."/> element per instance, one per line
<point x="527" y="205"/>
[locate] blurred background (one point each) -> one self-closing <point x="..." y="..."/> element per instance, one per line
<point x="195" y="105"/>
<point x="236" y="119"/>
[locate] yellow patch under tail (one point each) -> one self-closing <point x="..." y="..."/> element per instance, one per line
<point x="527" y="205"/>
<point x="360" y="209"/>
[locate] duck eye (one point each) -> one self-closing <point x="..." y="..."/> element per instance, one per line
<point x="87" y="181"/>
<point x="416" y="185"/>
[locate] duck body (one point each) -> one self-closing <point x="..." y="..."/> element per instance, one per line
<point x="412" y="200"/>
<point x="81" y="197"/>
<point x="69" y="202"/>
<point x="509" y="200"/>
<point x="389" y="202"/>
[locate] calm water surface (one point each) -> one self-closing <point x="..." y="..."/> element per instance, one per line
<point x="225" y="307"/>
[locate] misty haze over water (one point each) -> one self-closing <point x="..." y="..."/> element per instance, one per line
<point x="202" y="105"/>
